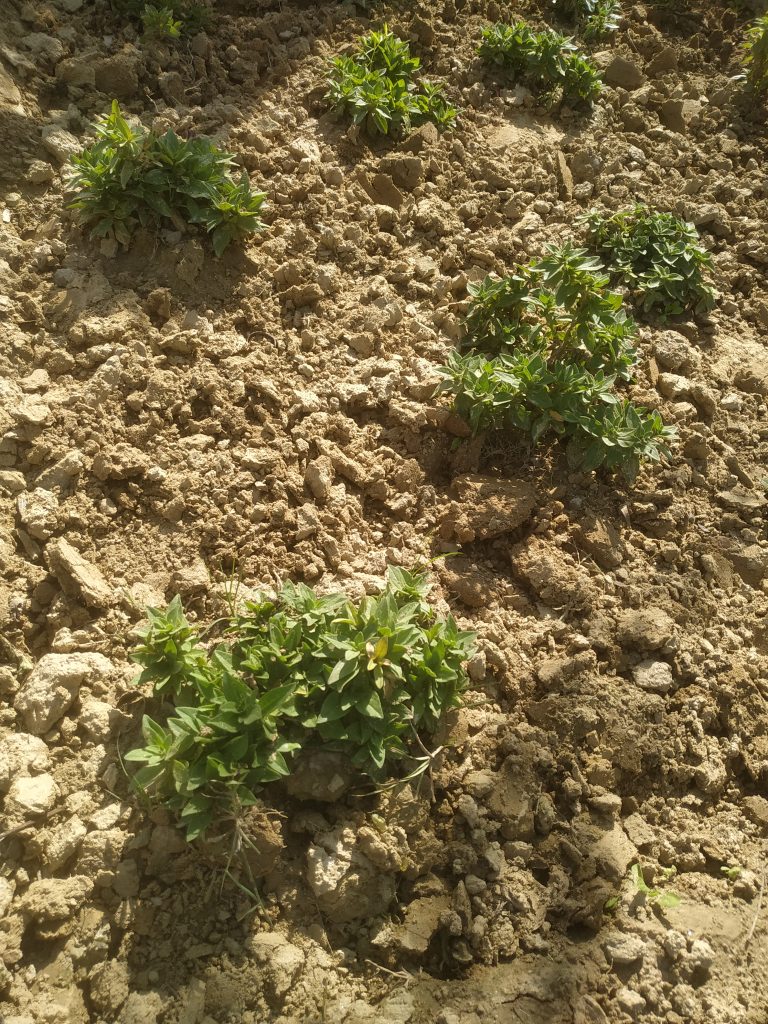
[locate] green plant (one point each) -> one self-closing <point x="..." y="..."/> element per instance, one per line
<point x="595" y="17"/>
<point x="543" y="59"/>
<point x="732" y="872"/>
<point x="378" y="88"/>
<point x="755" y="47"/>
<point x="167" y="20"/>
<point x="546" y="347"/>
<point x="292" y="672"/>
<point x="131" y="177"/>
<point x="159" y="23"/>
<point x="656" y="256"/>
<point x="655" y="897"/>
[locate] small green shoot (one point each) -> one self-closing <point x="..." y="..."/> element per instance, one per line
<point x="732" y="872"/>
<point x="595" y="18"/>
<point x="378" y="88"/>
<point x="159" y="23"/>
<point x="655" y="897"/>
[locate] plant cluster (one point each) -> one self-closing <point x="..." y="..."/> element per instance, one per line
<point x="379" y="88"/>
<point x="132" y="177"/>
<point x="596" y="18"/>
<point x="656" y="256"/>
<point x="166" y="19"/>
<point x="755" y="49"/>
<point x="546" y="346"/>
<point x="546" y="60"/>
<point x="292" y="672"/>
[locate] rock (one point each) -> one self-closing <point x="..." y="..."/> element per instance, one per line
<point x="126" y="880"/>
<point x="108" y="986"/>
<point x="347" y="886"/>
<point x="486" y="507"/>
<point x="6" y="895"/>
<point x="675" y="353"/>
<point x="515" y="796"/>
<point x="118" y="76"/>
<point x="631" y="1002"/>
<point x="121" y="462"/>
<point x="700" y="957"/>
<point x="60" y="143"/>
<point x="624" y="73"/>
<point x="52" y="685"/>
<point x="554" y="579"/>
<point x="413" y="935"/>
<point x="319" y="476"/>
<point x="38" y="512"/>
<point x="30" y="796"/>
<point x="647" y="629"/>
<point x="664" y="61"/>
<point x="319" y="775"/>
<point x="742" y="502"/>
<point x="96" y="716"/>
<point x="600" y="538"/>
<point x="653" y="675"/>
<point x="52" y="899"/>
<point x="279" y="960"/>
<point x="756" y="809"/>
<point x="77" y="576"/>
<point x="191" y="580"/>
<point x="21" y="754"/>
<point x="77" y="71"/>
<point x="141" y="1008"/>
<point x="621" y="949"/>
<point x="10" y="97"/>
<point x="61" y="843"/>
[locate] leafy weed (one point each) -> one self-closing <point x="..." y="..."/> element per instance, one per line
<point x="547" y="345"/>
<point x="292" y="672"/>
<point x="131" y="177"/>
<point x="546" y="60"/>
<point x="378" y="87"/>
<point x="656" y="256"/>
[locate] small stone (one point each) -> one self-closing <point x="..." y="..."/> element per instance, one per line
<point x="21" y="754"/>
<point x="701" y="956"/>
<point x="655" y="676"/>
<point x="53" y="899"/>
<point x="52" y="685"/>
<point x="319" y="476"/>
<point x="96" y="717"/>
<point x="624" y="73"/>
<point x="60" y="143"/>
<point x="621" y="949"/>
<point x="756" y="809"/>
<point x="30" y="797"/>
<point x="77" y="575"/>
<point x="630" y="1002"/>
<point x="647" y="628"/>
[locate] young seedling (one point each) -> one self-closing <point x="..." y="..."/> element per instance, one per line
<point x="545" y="60"/>
<point x="596" y="18"/>
<point x="159" y="23"/>
<point x="755" y="48"/>
<point x="655" y="897"/>
<point x="732" y="872"/>
<point x="379" y="88"/>
<point x="656" y="256"/>
<point x="292" y="672"/>
<point x="547" y="345"/>
<point x="131" y="177"/>
<point x="166" y="19"/>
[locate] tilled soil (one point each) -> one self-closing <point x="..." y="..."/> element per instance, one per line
<point x="172" y="422"/>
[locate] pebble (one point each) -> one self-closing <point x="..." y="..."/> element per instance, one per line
<point x="621" y="949"/>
